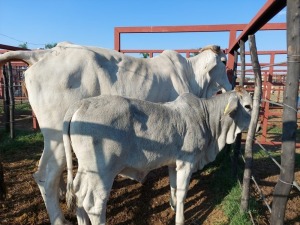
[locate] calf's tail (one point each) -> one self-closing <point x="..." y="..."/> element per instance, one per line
<point x="70" y="194"/>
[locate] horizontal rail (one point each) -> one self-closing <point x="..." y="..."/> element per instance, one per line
<point x="267" y="12"/>
<point x="178" y="29"/>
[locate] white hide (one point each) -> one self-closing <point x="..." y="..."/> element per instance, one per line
<point x="61" y="76"/>
<point x="113" y="135"/>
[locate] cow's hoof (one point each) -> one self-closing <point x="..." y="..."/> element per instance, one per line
<point x="173" y="206"/>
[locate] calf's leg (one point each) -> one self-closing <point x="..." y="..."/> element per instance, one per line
<point x="95" y="201"/>
<point x="184" y="171"/>
<point x="80" y="188"/>
<point x="172" y="179"/>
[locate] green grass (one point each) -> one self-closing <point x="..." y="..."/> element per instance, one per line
<point x="23" y="107"/>
<point x="231" y="207"/>
<point x="229" y="190"/>
<point x="275" y="130"/>
<point x="19" y="107"/>
<point x="23" y="140"/>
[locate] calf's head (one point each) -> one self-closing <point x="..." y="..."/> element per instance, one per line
<point x="237" y="113"/>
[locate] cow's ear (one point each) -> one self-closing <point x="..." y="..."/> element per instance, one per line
<point x="231" y="105"/>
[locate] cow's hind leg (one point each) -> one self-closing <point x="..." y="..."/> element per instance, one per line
<point x="96" y="198"/>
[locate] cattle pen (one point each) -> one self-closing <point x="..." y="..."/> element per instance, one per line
<point x="274" y="78"/>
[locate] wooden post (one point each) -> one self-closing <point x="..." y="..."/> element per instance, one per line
<point x="11" y="102"/>
<point x="237" y="146"/>
<point x="6" y="99"/>
<point x="253" y="124"/>
<point x="238" y="140"/>
<point x="289" y="118"/>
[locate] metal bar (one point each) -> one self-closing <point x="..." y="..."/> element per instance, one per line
<point x="178" y="29"/>
<point x="157" y="50"/>
<point x="267" y="12"/>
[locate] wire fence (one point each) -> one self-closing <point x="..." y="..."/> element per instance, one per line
<point x="268" y="153"/>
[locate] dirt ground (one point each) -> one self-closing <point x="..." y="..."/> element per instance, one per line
<point x="131" y="202"/>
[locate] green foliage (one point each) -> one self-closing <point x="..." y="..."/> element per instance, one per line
<point x="275" y="130"/>
<point x="145" y="55"/>
<point x="231" y="207"/>
<point x="23" y="107"/>
<point x="228" y="190"/>
<point x="50" y="45"/>
<point x="24" y="45"/>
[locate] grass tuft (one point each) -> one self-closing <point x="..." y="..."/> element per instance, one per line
<point x="23" y="140"/>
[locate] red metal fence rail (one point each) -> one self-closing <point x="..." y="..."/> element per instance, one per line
<point x="268" y="68"/>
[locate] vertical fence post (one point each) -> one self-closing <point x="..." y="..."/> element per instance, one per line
<point x="253" y="124"/>
<point x="237" y="146"/>
<point x="6" y="99"/>
<point x="238" y="140"/>
<point x="289" y="118"/>
<point x="266" y="105"/>
<point x="11" y="102"/>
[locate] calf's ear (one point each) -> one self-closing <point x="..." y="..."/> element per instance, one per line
<point x="231" y="105"/>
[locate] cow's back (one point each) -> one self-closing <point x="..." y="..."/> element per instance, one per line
<point x="71" y="73"/>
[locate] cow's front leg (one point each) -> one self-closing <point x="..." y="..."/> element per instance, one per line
<point x="184" y="171"/>
<point x="172" y="178"/>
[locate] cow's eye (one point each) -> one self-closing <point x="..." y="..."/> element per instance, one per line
<point x="248" y="107"/>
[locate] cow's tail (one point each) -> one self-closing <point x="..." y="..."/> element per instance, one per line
<point x="27" y="56"/>
<point x="70" y="194"/>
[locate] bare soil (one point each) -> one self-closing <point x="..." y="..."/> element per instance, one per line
<point x="134" y="203"/>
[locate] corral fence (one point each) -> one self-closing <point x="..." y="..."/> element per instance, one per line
<point x="273" y="78"/>
<point x="274" y="74"/>
<point x="18" y="69"/>
<point x="274" y="84"/>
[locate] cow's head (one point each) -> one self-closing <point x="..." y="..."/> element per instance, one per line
<point x="211" y="66"/>
<point x="237" y="113"/>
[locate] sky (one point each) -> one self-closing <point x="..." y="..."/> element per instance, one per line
<point x="92" y="22"/>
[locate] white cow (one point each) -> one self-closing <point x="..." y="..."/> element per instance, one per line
<point x="60" y="76"/>
<point x="113" y="135"/>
